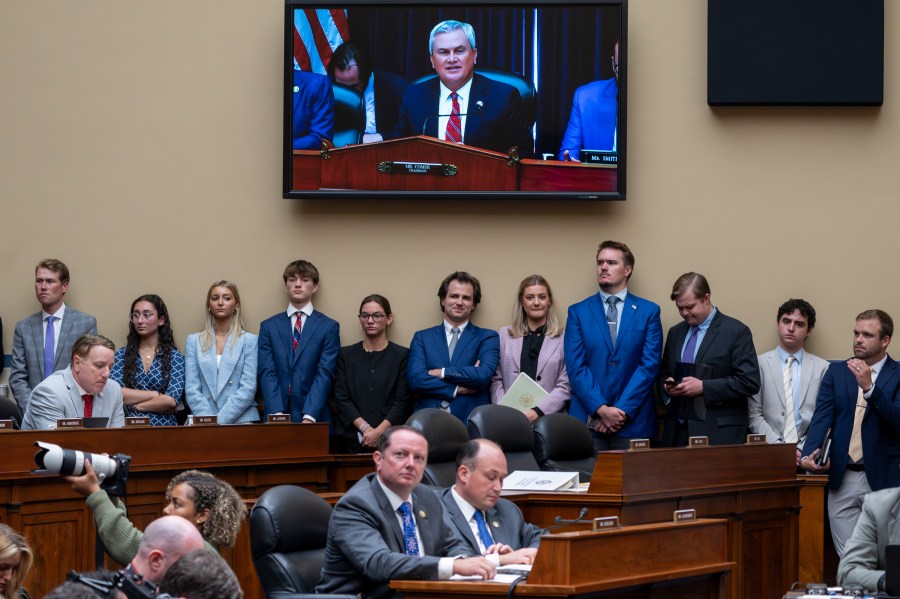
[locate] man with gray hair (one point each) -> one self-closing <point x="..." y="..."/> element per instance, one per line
<point x="459" y="105"/>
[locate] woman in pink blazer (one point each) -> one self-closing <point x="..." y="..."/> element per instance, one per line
<point x="534" y="345"/>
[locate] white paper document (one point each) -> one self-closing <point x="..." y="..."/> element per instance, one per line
<point x="525" y="480"/>
<point x="524" y="394"/>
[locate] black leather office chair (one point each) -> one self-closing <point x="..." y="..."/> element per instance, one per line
<point x="9" y="410"/>
<point x="349" y="115"/>
<point x="288" y="529"/>
<point x="523" y="85"/>
<point x="563" y="443"/>
<point x="445" y="435"/>
<point x="510" y="429"/>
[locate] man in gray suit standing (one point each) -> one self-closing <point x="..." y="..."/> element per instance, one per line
<point x="389" y="527"/>
<point x="82" y="390"/>
<point x="790" y="376"/>
<point x="492" y="526"/>
<point x="42" y="343"/>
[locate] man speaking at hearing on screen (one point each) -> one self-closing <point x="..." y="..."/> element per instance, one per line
<point x="460" y="105"/>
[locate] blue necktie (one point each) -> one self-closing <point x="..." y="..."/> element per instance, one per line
<point x="49" y="347"/>
<point x="483" y="531"/>
<point x="409" y="529"/>
<point x="691" y="347"/>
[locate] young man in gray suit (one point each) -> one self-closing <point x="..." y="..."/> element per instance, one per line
<point x="790" y="379"/>
<point x="42" y="343"/>
<point x="82" y="390"/>
<point x="491" y="525"/>
<point x="389" y="527"/>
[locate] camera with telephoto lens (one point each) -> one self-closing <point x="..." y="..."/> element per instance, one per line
<point x="111" y="470"/>
<point x="126" y="581"/>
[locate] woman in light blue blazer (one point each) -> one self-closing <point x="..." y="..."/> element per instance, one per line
<point x="221" y="361"/>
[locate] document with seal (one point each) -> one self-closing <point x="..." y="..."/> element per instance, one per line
<point x="524" y="394"/>
<point x="542" y="480"/>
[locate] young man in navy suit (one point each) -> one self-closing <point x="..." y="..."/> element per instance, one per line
<point x="450" y="366"/>
<point x="859" y="402"/>
<point x="298" y="351"/>
<point x="612" y="346"/>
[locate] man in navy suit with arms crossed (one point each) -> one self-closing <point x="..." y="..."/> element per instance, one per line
<point x="298" y="351"/>
<point x="612" y="345"/>
<point x="859" y="400"/>
<point x="450" y="366"/>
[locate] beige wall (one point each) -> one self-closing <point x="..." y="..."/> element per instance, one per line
<point x="141" y="144"/>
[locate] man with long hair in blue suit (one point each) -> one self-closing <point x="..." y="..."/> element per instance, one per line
<point x="298" y="351"/>
<point x="450" y="366"/>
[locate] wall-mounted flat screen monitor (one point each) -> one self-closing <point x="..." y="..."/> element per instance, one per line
<point x="487" y="100"/>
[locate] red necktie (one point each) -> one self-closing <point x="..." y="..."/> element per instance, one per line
<point x="298" y="327"/>
<point x="88" y="404"/>
<point x="454" y="125"/>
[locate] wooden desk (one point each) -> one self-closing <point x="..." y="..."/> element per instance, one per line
<point x="657" y="561"/>
<point x="753" y="487"/>
<point x="60" y="528"/>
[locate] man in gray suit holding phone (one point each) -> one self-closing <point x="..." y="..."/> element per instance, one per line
<point x="42" y="343"/>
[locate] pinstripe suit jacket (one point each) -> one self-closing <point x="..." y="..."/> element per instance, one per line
<point x="551" y="371"/>
<point x="28" y="350"/>
<point x="226" y="390"/>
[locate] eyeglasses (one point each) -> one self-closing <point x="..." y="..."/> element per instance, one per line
<point x="146" y="315"/>
<point x="377" y="317"/>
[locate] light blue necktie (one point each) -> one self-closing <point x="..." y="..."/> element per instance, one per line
<point x="49" y="347"/>
<point x="483" y="530"/>
<point x="409" y="529"/>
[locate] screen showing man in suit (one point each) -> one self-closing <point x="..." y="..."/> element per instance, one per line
<point x="709" y="369"/>
<point x="790" y="378"/>
<point x="450" y="366"/>
<point x="491" y="525"/>
<point x="42" y="343"/>
<point x="298" y="351"/>
<point x="460" y="105"/>
<point x="388" y="526"/>
<point x="82" y="390"/>
<point x="612" y="348"/>
<point x="592" y="123"/>
<point x="857" y="403"/>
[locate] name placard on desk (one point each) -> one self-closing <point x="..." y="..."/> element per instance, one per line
<point x="6" y="425"/>
<point x="638" y="444"/>
<point x="684" y="515"/>
<point x="605" y="523"/>
<point x="64" y="423"/>
<point x="137" y="421"/>
<point x="203" y="420"/>
<point x="698" y="442"/>
<point x="756" y="439"/>
<point x="278" y="418"/>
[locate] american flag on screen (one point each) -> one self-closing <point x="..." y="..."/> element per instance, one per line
<point x="317" y="32"/>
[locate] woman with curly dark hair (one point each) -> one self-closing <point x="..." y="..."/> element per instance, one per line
<point x="211" y="504"/>
<point x="150" y="368"/>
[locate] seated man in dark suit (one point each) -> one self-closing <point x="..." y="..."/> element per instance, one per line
<point x="492" y="526"/>
<point x="388" y="526"/>
<point x="723" y="372"/>
<point x="459" y="105"/>
<point x="381" y="90"/>
<point x="313" y="110"/>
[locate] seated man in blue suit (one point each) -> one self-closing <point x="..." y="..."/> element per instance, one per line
<point x="298" y="351"/>
<point x="592" y="122"/>
<point x="613" y="346"/>
<point x="460" y="105"/>
<point x="313" y="110"/>
<point x="473" y="508"/>
<point x="450" y="366"/>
